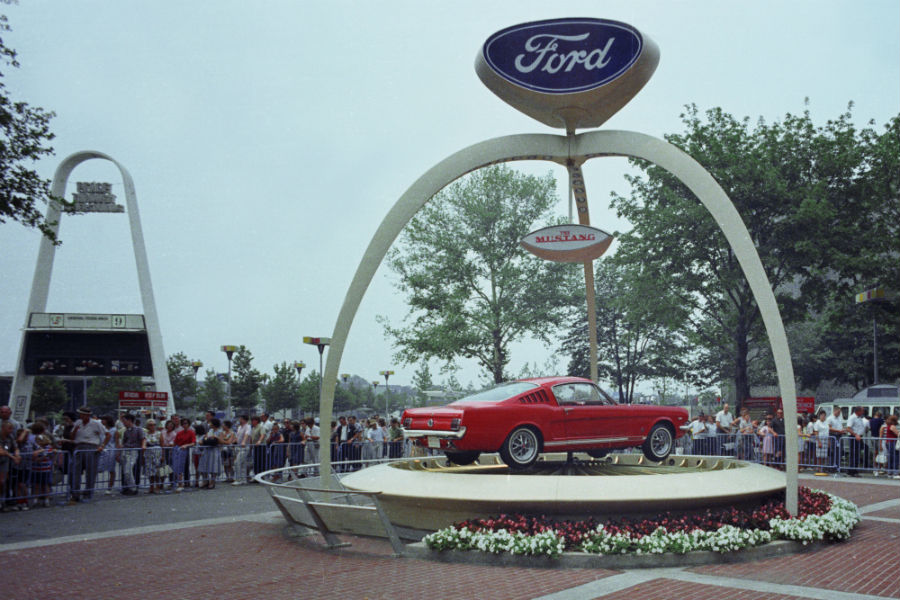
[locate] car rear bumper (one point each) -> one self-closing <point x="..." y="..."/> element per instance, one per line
<point x="443" y="434"/>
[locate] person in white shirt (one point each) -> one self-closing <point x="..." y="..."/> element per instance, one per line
<point x="312" y="441"/>
<point x="858" y="428"/>
<point x="820" y="430"/>
<point x="241" y="464"/>
<point x="724" y="422"/>
<point x="746" y="433"/>
<point x="698" y="434"/>
<point x="835" y="429"/>
<point x="266" y="423"/>
<point x="375" y="437"/>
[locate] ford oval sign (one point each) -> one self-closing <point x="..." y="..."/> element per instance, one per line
<point x="563" y="55"/>
<point x="567" y="243"/>
<point x="573" y="72"/>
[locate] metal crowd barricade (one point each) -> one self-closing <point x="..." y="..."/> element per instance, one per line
<point x="858" y="456"/>
<point x="309" y="505"/>
<point x="85" y="474"/>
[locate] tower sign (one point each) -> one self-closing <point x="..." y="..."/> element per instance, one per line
<point x="96" y="197"/>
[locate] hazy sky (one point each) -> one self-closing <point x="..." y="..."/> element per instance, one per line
<point x="267" y="140"/>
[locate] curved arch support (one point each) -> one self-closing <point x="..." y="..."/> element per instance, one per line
<point x="40" y="287"/>
<point x="557" y="148"/>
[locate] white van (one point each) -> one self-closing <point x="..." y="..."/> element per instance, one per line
<point x="883" y="397"/>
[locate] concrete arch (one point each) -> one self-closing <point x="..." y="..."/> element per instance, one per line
<point x="40" y="287"/>
<point x="580" y="147"/>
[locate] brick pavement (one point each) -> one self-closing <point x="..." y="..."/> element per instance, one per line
<point x="206" y="563"/>
<point x="212" y="561"/>
<point x="670" y="589"/>
<point x="869" y="563"/>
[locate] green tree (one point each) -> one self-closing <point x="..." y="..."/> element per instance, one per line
<point x="183" y="380"/>
<point x="636" y="339"/>
<point x="24" y="137"/>
<point x="309" y="394"/>
<point x="103" y="392"/>
<point x="470" y="287"/>
<point x="797" y="187"/>
<point x="211" y="394"/>
<point x="246" y="380"/>
<point x="282" y="391"/>
<point x="422" y="382"/>
<point x="48" y="395"/>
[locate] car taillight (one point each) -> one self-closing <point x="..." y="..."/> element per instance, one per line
<point x="454" y="424"/>
<point x="407" y="422"/>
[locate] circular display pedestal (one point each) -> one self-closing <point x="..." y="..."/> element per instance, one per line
<point x="428" y="494"/>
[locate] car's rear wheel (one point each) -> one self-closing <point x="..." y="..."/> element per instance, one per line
<point x="520" y="448"/>
<point x="462" y="458"/>
<point x="659" y="442"/>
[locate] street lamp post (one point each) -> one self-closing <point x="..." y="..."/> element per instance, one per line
<point x="375" y="385"/>
<point x="320" y="343"/>
<point x="873" y="295"/>
<point x="387" y="390"/>
<point x="299" y="364"/>
<point x="229" y="352"/>
<point x="196" y="364"/>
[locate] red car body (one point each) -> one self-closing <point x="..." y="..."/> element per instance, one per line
<point x="523" y="418"/>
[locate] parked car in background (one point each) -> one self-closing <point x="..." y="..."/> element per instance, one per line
<point x="524" y="418"/>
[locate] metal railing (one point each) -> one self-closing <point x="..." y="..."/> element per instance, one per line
<point x="839" y="455"/>
<point x="45" y="477"/>
<point x="310" y="506"/>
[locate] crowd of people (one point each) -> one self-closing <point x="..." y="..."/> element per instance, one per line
<point x="825" y="442"/>
<point x="84" y="455"/>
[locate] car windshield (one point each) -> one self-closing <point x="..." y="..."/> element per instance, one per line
<point x="501" y="392"/>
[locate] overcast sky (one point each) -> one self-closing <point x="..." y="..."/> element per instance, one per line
<point x="267" y="140"/>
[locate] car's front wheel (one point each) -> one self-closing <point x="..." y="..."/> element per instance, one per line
<point x="520" y="448"/>
<point x="659" y="443"/>
<point x="462" y="458"/>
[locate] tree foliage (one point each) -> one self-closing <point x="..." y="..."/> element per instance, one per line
<point x="423" y="382"/>
<point x="638" y="326"/>
<point x="245" y="380"/>
<point x="806" y="195"/>
<point x="282" y="390"/>
<point x="24" y="138"/>
<point x="309" y="393"/>
<point x="470" y="287"/>
<point x="49" y="395"/>
<point x="183" y="380"/>
<point x="103" y="392"/>
<point x="211" y="395"/>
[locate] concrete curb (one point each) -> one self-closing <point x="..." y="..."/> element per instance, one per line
<point x="580" y="560"/>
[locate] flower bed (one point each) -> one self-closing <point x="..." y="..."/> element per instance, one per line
<point x="822" y="516"/>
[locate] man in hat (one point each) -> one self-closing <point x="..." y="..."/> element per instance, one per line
<point x="90" y="438"/>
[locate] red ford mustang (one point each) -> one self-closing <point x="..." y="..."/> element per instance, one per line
<point x="523" y="418"/>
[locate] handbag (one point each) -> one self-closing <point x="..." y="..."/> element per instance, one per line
<point x="210" y="442"/>
<point x="165" y="471"/>
<point x="881" y="458"/>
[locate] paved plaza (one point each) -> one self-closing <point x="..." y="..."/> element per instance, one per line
<point x="231" y="543"/>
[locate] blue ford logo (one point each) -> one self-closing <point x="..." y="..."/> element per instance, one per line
<point x="563" y="56"/>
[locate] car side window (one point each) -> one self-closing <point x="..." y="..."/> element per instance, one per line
<point x="577" y="394"/>
<point x="586" y="393"/>
<point x="565" y="394"/>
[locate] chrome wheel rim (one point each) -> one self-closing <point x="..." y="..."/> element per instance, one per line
<point x="523" y="446"/>
<point x="661" y="441"/>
